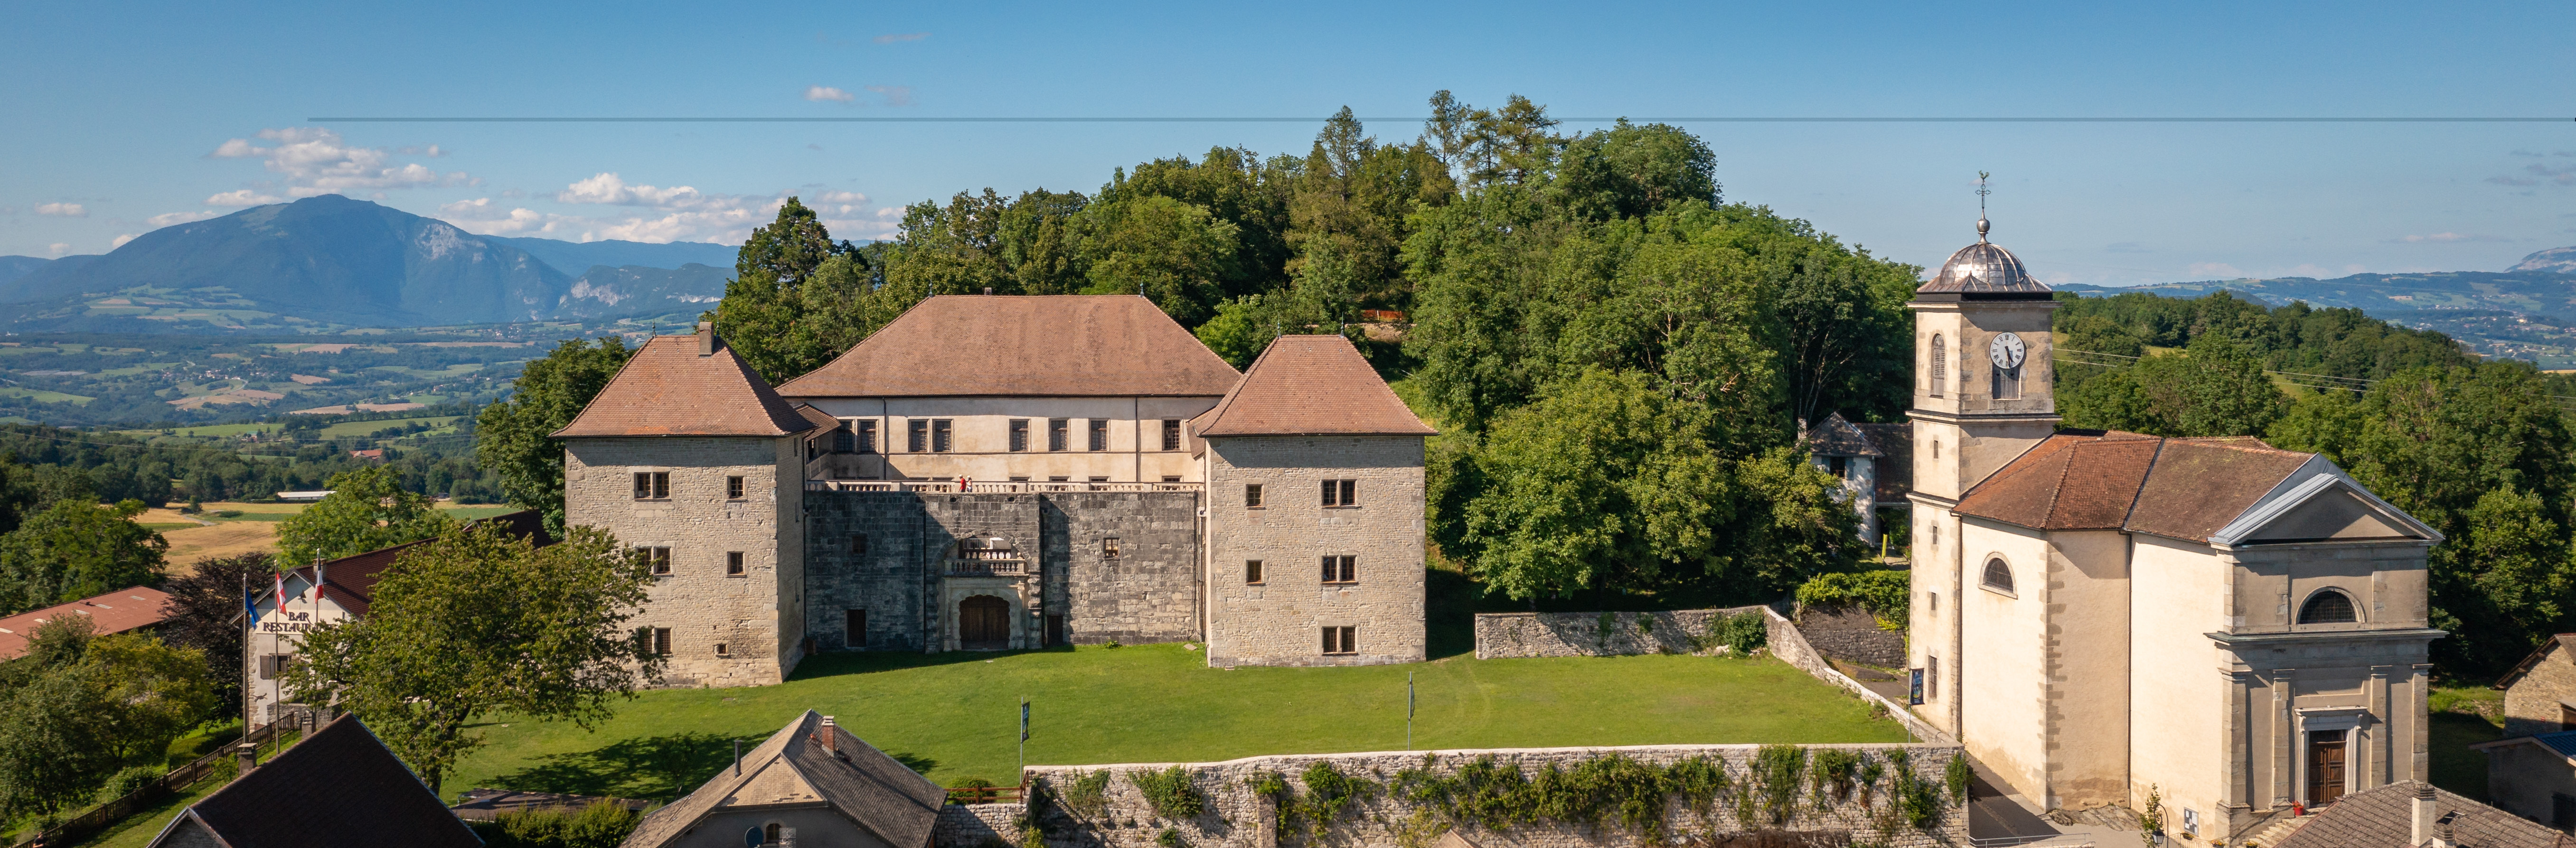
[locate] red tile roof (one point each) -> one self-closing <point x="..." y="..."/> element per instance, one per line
<point x="1311" y="385"/>
<point x="2094" y="480"/>
<point x="114" y="612"/>
<point x="1024" y="346"/>
<point x="669" y="389"/>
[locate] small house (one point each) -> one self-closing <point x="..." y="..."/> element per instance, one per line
<point x="811" y="784"/>
<point x="338" y="787"/>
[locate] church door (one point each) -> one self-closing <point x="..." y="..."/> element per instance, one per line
<point x="2325" y="766"/>
<point x="984" y="623"/>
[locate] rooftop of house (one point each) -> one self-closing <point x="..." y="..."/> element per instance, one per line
<point x="810" y="760"/>
<point x="327" y="790"/>
<point x="2385" y="818"/>
<point x="350" y="581"/>
<point x="690" y="385"/>
<point x="1310" y="386"/>
<point x="1836" y="436"/>
<point x="2214" y="491"/>
<point x="1024" y="346"/>
<point x="2524" y="667"/>
<point x="114" y="612"/>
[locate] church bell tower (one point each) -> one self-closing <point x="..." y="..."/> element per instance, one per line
<point x="1983" y="394"/>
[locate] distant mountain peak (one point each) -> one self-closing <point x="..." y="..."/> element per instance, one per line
<point x="2556" y="260"/>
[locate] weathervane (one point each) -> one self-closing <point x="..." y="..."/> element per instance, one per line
<point x="1981" y="206"/>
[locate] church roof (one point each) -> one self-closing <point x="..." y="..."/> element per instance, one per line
<point x="1024" y="346"/>
<point x="669" y="388"/>
<point x="2385" y="818"/>
<point x="793" y="766"/>
<point x="1311" y="385"/>
<point x="2215" y="491"/>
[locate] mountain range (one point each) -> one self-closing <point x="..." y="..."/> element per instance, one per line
<point x="332" y="261"/>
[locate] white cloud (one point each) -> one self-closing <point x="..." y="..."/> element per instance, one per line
<point x="121" y="240"/>
<point x="316" y="161"/>
<point x="180" y="218"/>
<point x="660" y="214"/>
<point x="825" y="93"/>
<point x="2216" y="270"/>
<point x="2447" y="238"/>
<point x="62" y="210"/>
<point x="244" y="197"/>
<point x="895" y="95"/>
<point x="908" y="36"/>
<point x="59" y="248"/>
<point x="606" y="187"/>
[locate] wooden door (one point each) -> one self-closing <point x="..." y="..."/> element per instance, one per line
<point x="2325" y="766"/>
<point x="984" y="623"/>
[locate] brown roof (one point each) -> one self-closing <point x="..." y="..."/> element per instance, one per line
<point x="1027" y="346"/>
<point x="339" y="787"/>
<point x="114" y="612"/>
<point x="2095" y="480"/>
<point x="668" y="389"/>
<point x="1311" y="385"/>
<point x="2385" y="818"/>
<point x="1839" y="437"/>
<point x="892" y="802"/>
<point x="820" y="419"/>
<point x="352" y="579"/>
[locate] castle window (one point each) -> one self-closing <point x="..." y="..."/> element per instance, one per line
<point x="1932" y="677"/>
<point x="1341" y="569"/>
<point x="1099" y="434"/>
<point x="864" y="439"/>
<point x="1998" y="576"/>
<point x="2328" y="606"/>
<point x="1171" y="434"/>
<point x="1019" y="434"/>
<point x="1099" y="478"/>
<point x="1251" y="496"/>
<point x="939" y="436"/>
<point x="1252" y="572"/>
<point x="842" y="440"/>
<point x="1109" y="547"/>
<point x="653" y="641"/>
<point x="1341" y="641"/>
<point x="1940" y="365"/>
<point x="854" y="628"/>
<point x="659" y="558"/>
<point x="917" y="435"/>
<point x="858" y="544"/>
<point x="733" y="488"/>
<point x="720" y="650"/>
<point x="1341" y="493"/>
<point x="733" y="564"/>
<point x="1056" y="433"/>
<point x="1059" y="479"/>
<point x="652" y="485"/>
<point x="1171" y="478"/>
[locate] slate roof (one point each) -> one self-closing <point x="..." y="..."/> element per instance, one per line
<point x="668" y="389"/>
<point x="792" y="767"/>
<point x="352" y="579"/>
<point x="1895" y="443"/>
<point x="1311" y="385"/>
<point x="1838" y="437"/>
<point x="2189" y="489"/>
<point x="114" y="612"/>
<point x="2537" y="654"/>
<point x="340" y="787"/>
<point x="1024" y="346"/>
<point x="2385" y="818"/>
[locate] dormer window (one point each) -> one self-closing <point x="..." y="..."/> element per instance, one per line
<point x="2328" y="606"/>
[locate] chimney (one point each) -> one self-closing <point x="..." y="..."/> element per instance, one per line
<point x="831" y="736"/>
<point x="988" y="291"/>
<point x="245" y="758"/>
<point x="2423" y="836"/>
<point x="706" y="338"/>
<point x="737" y="758"/>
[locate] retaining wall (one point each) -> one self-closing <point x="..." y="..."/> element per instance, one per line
<point x="1792" y="648"/>
<point x="1596" y="634"/>
<point x="1237" y="816"/>
<point x="1851" y="633"/>
<point x="976" y="825"/>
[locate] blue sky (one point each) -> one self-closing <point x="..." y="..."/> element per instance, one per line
<point x="122" y="117"/>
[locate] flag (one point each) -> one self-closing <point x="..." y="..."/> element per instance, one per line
<point x="1024" y="721"/>
<point x="317" y="586"/>
<point x="250" y="606"/>
<point x="281" y="591"/>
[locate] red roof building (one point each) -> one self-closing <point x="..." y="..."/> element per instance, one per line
<point x="115" y="612"/>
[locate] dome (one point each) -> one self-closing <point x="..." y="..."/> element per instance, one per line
<point x="1986" y="269"/>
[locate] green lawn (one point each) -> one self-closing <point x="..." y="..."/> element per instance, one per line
<point x="953" y="716"/>
<point x="2459" y="718"/>
<point x="469" y="513"/>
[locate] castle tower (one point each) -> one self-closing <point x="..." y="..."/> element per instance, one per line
<point x="1982" y="395"/>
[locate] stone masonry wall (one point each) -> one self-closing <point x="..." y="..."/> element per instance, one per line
<point x="1596" y="634"/>
<point x="1280" y="620"/>
<point x="1150" y="591"/>
<point x="1851" y="633"/>
<point x="976" y="825"/>
<point x="2535" y="703"/>
<point x="702" y="605"/>
<point x="1237" y="816"/>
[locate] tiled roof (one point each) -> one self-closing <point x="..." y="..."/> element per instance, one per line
<point x="2385" y="818"/>
<point x="338" y="788"/>
<point x="1895" y="444"/>
<point x="1311" y="385"/>
<point x="820" y="419"/>
<point x="1838" y="437"/>
<point x="2200" y="485"/>
<point x="1024" y="346"/>
<point x="2188" y="489"/>
<point x="2070" y="481"/>
<point x="353" y="579"/>
<point x="668" y="389"/>
<point x="114" y="612"/>
<point x="2537" y="654"/>
<point x="894" y="803"/>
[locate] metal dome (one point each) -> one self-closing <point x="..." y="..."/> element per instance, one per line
<point x="1984" y="268"/>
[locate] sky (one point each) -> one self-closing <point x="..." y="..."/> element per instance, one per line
<point x="124" y="117"/>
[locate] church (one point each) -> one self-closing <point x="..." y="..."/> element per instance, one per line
<point x="1010" y="472"/>
<point x="2101" y="617"/>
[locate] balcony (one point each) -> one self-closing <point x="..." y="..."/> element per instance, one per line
<point x="989" y="567"/>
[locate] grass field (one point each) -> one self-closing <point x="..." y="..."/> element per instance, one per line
<point x="954" y="716"/>
<point x="2460" y="718"/>
<point x="354" y="429"/>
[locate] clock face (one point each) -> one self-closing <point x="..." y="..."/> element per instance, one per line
<point x="2006" y="351"/>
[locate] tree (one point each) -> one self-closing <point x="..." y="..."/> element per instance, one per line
<point x="205" y="614"/>
<point x="1630" y="171"/>
<point x="480" y="622"/>
<point x="81" y="706"/>
<point x="514" y="437"/>
<point x="368" y="509"/>
<point x="75" y="549"/>
<point x="763" y="308"/>
<point x="1171" y="252"/>
<point x="2215" y="388"/>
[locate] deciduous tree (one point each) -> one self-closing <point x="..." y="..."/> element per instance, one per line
<point x="513" y="436"/>
<point x="75" y="549"/>
<point x="366" y="510"/>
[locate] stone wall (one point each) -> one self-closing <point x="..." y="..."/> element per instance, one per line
<point x="2536" y="702"/>
<point x="1150" y="591"/>
<point x="1237" y="816"/>
<point x="754" y="616"/>
<point x="1792" y="648"/>
<point x="1280" y="619"/>
<point x="1851" y="633"/>
<point x="1596" y="634"/>
<point x="976" y="825"/>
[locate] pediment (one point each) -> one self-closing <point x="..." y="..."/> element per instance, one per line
<point x="2324" y="508"/>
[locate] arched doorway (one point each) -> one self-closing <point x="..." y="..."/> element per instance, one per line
<point x="983" y="623"/>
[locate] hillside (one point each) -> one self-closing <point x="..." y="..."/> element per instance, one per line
<point x="328" y="263"/>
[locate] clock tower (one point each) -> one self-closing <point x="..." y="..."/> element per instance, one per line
<point x="1983" y="394"/>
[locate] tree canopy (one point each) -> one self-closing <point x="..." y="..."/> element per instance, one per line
<point x="367" y="509"/>
<point x="515" y="436"/>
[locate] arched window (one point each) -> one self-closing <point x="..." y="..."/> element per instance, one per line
<point x="1940" y="365"/>
<point x="1998" y="575"/>
<point x="2328" y="606"/>
<point x="769" y="835"/>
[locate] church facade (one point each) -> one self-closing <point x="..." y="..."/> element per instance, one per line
<point x="990" y="473"/>
<point x="2104" y="616"/>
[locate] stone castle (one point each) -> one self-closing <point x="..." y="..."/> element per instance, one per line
<point x="990" y="473"/>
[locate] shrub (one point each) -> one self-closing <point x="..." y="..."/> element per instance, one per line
<point x="1775" y="781"/>
<point x="1744" y="633"/>
<point x="1885" y="594"/>
<point x="1169" y="792"/>
<point x="1089" y="794"/>
<point x="1957" y="774"/>
<point x="1918" y="800"/>
<point x="126" y="782"/>
<point x="1328" y="792"/>
<point x="1170" y="838"/>
<point x="600" y="825"/>
<point x="1833" y="773"/>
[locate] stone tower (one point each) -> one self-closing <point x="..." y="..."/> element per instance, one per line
<point x="1982" y="395"/>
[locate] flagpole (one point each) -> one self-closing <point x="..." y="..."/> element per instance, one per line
<point x="1408" y="711"/>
